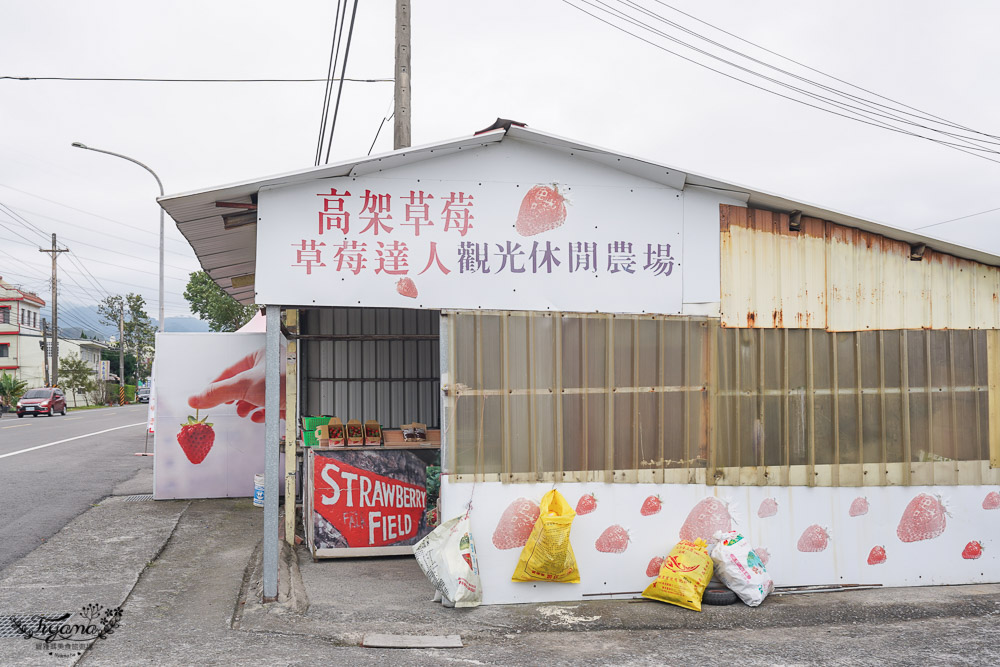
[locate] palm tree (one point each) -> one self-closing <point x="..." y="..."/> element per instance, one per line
<point x="11" y="389"/>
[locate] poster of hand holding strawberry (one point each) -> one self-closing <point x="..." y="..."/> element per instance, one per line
<point x="209" y="441"/>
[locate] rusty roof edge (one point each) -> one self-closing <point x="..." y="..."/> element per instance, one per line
<point x="766" y="200"/>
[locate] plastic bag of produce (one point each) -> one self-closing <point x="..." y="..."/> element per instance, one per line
<point x="448" y="557"/>
<point x="738" y="567"/>
<point x="548" y="555"/>
<point x="684" y="574"/>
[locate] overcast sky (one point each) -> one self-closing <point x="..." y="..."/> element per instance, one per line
<point x="541" y="62"/>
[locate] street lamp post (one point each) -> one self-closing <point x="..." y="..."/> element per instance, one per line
<point x="77" y="144"/>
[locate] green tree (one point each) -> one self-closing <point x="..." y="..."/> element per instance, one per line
<point x="211" y="303"/>
<point x="76" y="375"/>
<point x="111" y="355"/>
<point x="139" y="331"/>
<point x="11" y="389"/>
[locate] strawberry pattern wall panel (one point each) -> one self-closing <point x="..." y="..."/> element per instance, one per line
<point x="553" y="237"/>
<point x="887" y="536"/>
<point x="209" y="436"/>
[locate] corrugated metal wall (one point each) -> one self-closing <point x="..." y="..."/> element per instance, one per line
<point x="371" y="363"/>
<point x="827" y="276"/>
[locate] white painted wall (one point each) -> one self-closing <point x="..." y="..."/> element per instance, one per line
<point x="932" y="561"/>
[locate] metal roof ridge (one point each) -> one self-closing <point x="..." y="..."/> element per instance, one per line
<point x="315" y="171"/>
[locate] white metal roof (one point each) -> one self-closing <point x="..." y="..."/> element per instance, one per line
<point x="227" y="254"/>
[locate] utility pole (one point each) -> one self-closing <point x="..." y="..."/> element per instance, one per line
<point x="401" y="94"/>
<point x="55" y="310"/>
<point x="121" y="354"/>
<point x="45" y="353"/>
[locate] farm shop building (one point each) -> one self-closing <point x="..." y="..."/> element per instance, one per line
<point x="682" y="354"/>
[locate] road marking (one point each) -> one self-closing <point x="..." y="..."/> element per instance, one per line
<point x="69" y="419"/>
<point x="59" y="442"/>
<point x="16" y="426"/>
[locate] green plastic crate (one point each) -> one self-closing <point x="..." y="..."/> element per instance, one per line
<point x="309" y="425"/>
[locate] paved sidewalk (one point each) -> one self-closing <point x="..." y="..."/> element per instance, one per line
<point x="188" y="575"/>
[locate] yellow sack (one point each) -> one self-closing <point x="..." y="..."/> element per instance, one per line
<point x="548" y="555"/>
<point x="684" y="574"/>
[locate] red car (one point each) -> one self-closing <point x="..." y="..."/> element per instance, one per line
<point x="42" y="402"/>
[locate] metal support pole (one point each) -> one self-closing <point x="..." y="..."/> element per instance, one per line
<point x="272" y="407"/>
<point x="291" y="422"/>
<point x="401" y="97"/>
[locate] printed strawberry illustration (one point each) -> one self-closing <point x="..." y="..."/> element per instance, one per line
<point x="542" y="209"/>
<point x="406" y="287"/>
<point x="196" y="438"/>
<point x="515" y="524"/>
<point x="653" y="568"/>
<point x="814" y="539"/>
<point x="859" y="507"/>
<point x="614" y="540"/>
<point x="586" y="504"/>
<point x="651" y="506"/>
<point x="876" y="556"/>
<point x="991" y="501"/>
<point x="923" y="519"/>
<point x="763" y="554"/>
<point x="706" y="518"/>
<point x="972" y="551"/>
<point x="768" y="507"/>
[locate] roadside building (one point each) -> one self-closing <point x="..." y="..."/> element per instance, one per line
<point x="20" y="333"/>
<point x="689" y="354"/>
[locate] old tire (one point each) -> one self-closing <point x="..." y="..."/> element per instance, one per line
<point x="718" y="596"/>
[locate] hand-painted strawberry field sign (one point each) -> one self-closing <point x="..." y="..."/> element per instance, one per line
<point x="367" y="498"/>
<point x="426" y="243"/>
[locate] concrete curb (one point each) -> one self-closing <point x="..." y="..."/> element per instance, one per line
<point x="393" y="604"/>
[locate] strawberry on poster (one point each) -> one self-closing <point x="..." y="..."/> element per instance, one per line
<point x="426" y="243"/>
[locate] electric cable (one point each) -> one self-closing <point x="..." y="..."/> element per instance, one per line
<point x="331" y="70"/>
<point x="850" y="108"/>
<point x="160" y="80"/>
<point x="830" y="76"/>
<point x="776" y="93"/>
<point x="868" y="103"/>
<point x="340" y="89"/>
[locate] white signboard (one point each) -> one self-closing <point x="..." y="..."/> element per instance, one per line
<point x="425" y="243"/>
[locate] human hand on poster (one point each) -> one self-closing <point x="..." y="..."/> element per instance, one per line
<point x="242" y="384"/>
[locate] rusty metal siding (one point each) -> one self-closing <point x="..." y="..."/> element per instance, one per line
<point x="366" y="364"/>
<point x="828" y="276"/>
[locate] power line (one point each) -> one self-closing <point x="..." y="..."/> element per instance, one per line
<point x="874" y="106"/>
<point x="868" y="121"/>
<point x="845" y="106"/>
<point x="80" y="210"/>
<point x="331" y="70"/>
<point x="121" y="239"/>
<point x="340" y="88"/>
<point x="971" y="215"/>
<point x="156" y="80"/>
<point x="813" y="69"/>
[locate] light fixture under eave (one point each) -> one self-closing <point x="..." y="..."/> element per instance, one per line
<point x="240" y="282"/>
<point x="239" y="220"/>
<point x="795" y="221"/>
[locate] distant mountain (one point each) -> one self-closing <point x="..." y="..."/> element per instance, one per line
<point x="184" y="324"/>
<point x="74" y="320"/>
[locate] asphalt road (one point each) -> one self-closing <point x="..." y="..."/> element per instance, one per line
<point x="43" y="489"/>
